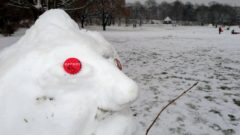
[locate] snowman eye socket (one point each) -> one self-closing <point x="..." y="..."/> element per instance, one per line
<point x="118" y="63"/>
<point x="106" y="56"/>
<point x="72" y="66"/>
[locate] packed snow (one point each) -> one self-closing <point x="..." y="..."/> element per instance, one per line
<point x="165" y="61"/>
<point x="37" y="97"/>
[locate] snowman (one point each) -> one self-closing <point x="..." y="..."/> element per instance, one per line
<point x="59" y="80"/>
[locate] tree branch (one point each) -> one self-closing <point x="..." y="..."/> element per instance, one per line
<point x="79" y="8"/>
<point x="19" y="6"/>
<point x="154" y="121"/>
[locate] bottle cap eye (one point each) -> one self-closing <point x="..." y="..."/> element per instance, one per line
<point x="72" y="66"/>
<point x="118" y="63"/>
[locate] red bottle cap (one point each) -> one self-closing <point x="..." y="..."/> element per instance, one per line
<point x="72" y="66"/>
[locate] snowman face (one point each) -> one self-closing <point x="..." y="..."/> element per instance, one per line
<point x="100" y="75"/>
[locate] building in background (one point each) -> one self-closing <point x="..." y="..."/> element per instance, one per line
<point x="167" y="20"/>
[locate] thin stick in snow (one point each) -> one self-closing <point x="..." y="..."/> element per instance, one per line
<point x="171" y="102"/>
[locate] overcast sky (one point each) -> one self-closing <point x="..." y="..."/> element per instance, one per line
<point x="230" y="2"/>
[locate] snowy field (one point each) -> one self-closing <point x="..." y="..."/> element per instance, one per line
<point x="165" y="61"/>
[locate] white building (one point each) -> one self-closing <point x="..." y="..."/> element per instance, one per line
<point x="167" y="20"/>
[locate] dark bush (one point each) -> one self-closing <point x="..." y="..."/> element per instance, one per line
<point x="13" y="18"/>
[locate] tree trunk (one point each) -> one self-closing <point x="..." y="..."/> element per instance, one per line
<point x="140" y="22"/>
<point x="82" y="23"/>
<point x="36" y="13"/>
<point x="103" y="20"/>
<point x="82" y="18"/>
<point x="119" y="21"/>
<point x="104" y="27"/>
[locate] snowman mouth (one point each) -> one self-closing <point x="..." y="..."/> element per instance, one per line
<point x="102" y="114"/>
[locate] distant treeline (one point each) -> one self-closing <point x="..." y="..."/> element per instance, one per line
<point x="23" y="13"/>
<point x="213" y="13"/>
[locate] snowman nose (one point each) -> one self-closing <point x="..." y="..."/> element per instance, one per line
<point x="126" y="92"/>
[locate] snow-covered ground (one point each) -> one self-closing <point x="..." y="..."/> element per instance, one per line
<point x="165" y="61"/>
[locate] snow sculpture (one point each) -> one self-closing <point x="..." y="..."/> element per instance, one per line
<point x="38" y="97"/>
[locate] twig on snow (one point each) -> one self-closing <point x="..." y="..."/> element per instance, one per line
<point x="171" y="102"/>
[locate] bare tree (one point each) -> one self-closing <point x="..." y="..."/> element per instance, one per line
<point x="152" y="12"/>
<point x="106" y="9"/>
<point x="164" y="9"/>
<point x="177" y="10"/>
<point x="138" y="11"/>
<point x="39" y="6"/>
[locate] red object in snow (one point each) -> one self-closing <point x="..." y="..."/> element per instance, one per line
<point x="118" y="64"/>
<point x="72" y="66"/>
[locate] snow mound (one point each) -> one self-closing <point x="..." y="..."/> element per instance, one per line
<point x="38" y="97"/>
